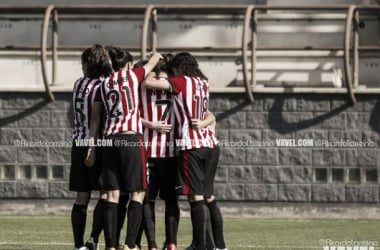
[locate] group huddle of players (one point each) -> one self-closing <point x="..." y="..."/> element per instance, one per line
<point x="163" y="143"/>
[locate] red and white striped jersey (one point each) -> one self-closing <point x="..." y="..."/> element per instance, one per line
<point x="190" y="102"/>
<point x="156" y="105"/>
<point x="86" y="92"/>
<point x="209" y="134"/>
<point x="121" y="101"/>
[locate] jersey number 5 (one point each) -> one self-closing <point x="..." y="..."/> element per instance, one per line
<point x="79" y="114"/>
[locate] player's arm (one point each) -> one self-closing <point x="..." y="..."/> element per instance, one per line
<point x="149" y="66"/>
<point x="209" y="121"/>
<point x="159" y="126"/>
<point x="94" y="129"/>
<point x="151" y="82"/>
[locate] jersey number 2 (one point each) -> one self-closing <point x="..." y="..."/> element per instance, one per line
<point x="115" y="111"/>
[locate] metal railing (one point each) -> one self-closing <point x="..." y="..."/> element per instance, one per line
<point x="250" y="24"/>
<point x="352" y="17"/>
<point x="352" y="24"/>
<point x="251" y="14"/>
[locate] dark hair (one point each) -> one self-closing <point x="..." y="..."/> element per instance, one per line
<point x="187" y="64"/>
<point x="140" y="63"/>
<point x="164" y="65"/>
<point x="97" y="62"/>
<point x="119" y="57"/>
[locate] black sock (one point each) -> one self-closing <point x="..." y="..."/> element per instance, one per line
<point x="121" y="213"/>
<point x="78" y="223"/>
<point x="209" y="234"/>
<point x="134" y="220"/>
<point x="98" y="220"/>
<point x="110" y="223"/>
<point x="149" y="221"/>
<point x="199" y="225"/>
<point x="171" y="221"/>
<point x="139" y="235"/>
<point x="217" y="224"/>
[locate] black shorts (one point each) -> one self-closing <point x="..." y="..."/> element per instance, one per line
<point x="83" y="178"/>
<point x="124" y="164"/>
<point x="161" y="177"/>
<point x="193" y="167"/>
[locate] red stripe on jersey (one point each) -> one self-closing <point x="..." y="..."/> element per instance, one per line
<point x="104" y="99"/>
<point x="143" y="164"/>
<point x="148" y="115"/>
<point x="120" y="76"/>
<point x="83" y="107"/>
<point x="191" y="94"/>
<point x="91" y="96"/>
<point x="180" y="118"/>
<point x="210" y="136"/>
<point x="185" y="176"/>
<point x="136" y="101"/>
<point x="159" y="118"/>
<point x="77" y="87"/>
<point x="79" y="106"/>
<point x="131" y="98"/>
<point x="148" y="133"/>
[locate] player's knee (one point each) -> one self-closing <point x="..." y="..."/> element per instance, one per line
<point x="171" y="203"/>
<point x="210" y="198"/>
<point x="193" y="198"/>
<point x="83" y="198"/>
<point x="149" y="202"/>
<point x="103" y="195"/>
<point x="138" y="196"/>
<point x="113" y="196"/>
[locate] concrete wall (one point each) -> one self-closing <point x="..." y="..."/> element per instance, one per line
<point x="311" y="173"/>
<point x="253" y="166"/>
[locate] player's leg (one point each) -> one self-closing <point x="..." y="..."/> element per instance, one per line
<point x="149" y="216"/>
<point x="139" y="235"/>
<point x="210" y="245"/>
<point x="98" y="214"/>
<point x="134" y="218"/>
<point x="110" y="218"/>
<point x="148" y="223"/>
<point x="78" y="217"/>
<point x="192" y="161"/>
<point x="111" y="184"/>
<point x="167" y="168"/>
<point x="214" y="211"/>
<point x="216" y="222"/>
<point x="172" y="215"/>
<point x="121" y="214"/>
<point x="80" y="183"/>
<point x="198" y="219"/>
<point x="134" y="170"/>
<point x="97" y="222"/>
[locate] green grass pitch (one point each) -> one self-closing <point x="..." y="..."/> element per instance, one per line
<point x="54" y="232"/>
